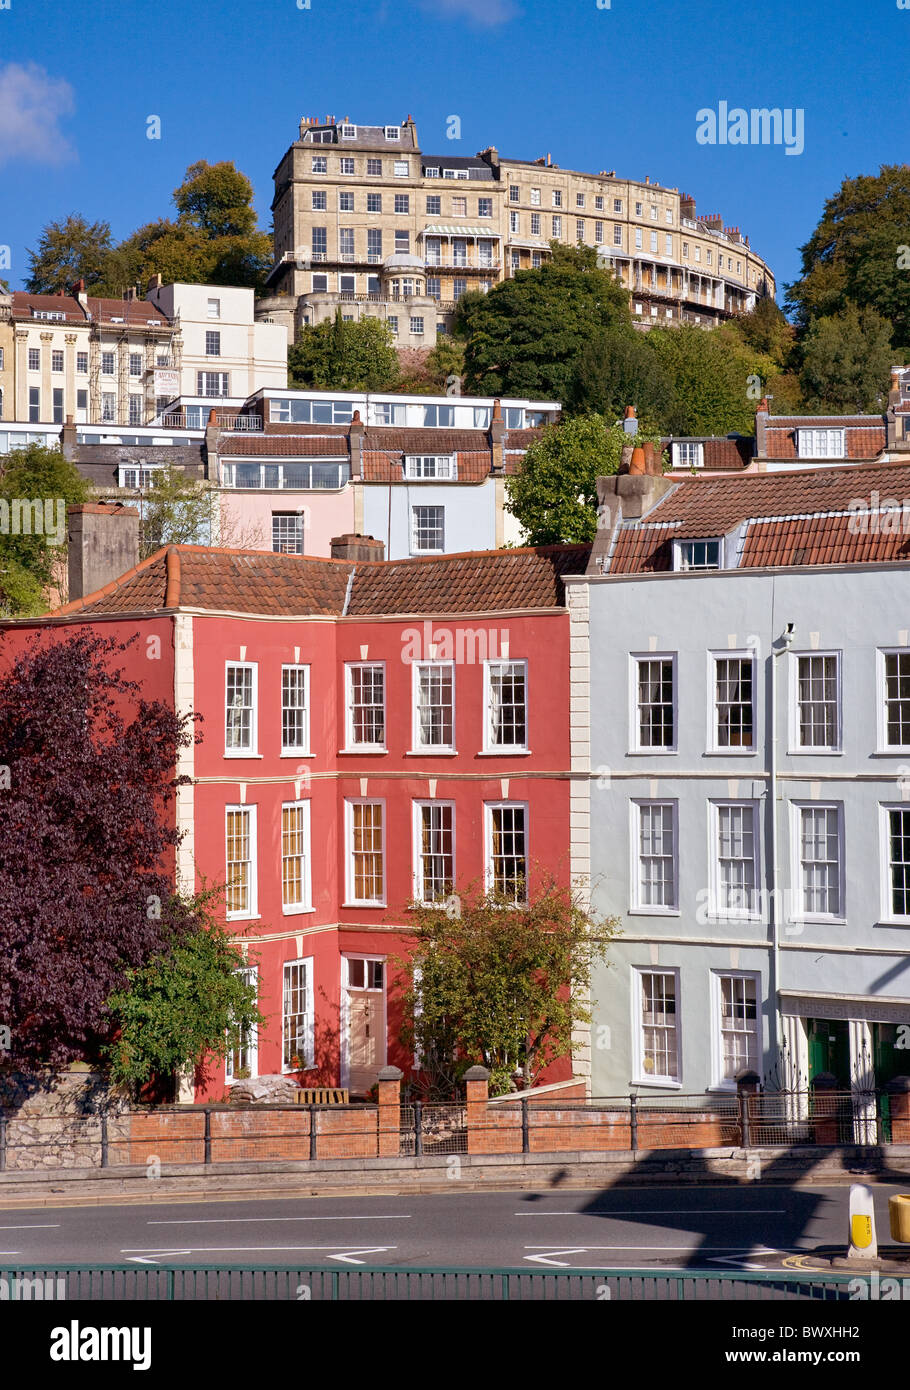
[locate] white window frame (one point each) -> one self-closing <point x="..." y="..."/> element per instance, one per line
<point x="417" y="860"/>
<point x="401" y="169"/>
<point x="488" y="809"/>
<point x="350" y="744"/>
<point x="124" y="470"/>
<point x="887" y="913"/>
<point x="797" y="911"/>
<point x="349" y="132"/>
<point x="350" y="876"/>
<point x="713" y="744"/>
<point x="421" y="468"/>
<point x="818" y="750"/>
<point x="682" y="549"/>
<point x="883" y="746"/>
<point x="640" y="1076"/>
<point x="306" y="901"/>
<point x="392" y="132"/>
<point x="719" y="912"/>
<point x="681" y="447"/>
<point x="816" y="443"/>
<point x="252" y="909"/>
<point x="303" y="749"/>
<point x="417" y="746"/>
<point x="719" y="1082"/>
<point x="489" y="745"/>
<point x="309" y="1030"/>
<point x="416" y="528"/>
<point x="637" y="906"/>
<point x="253" y="750"/>
<point x="252" y="975"/>
<point x="635" y="744"/>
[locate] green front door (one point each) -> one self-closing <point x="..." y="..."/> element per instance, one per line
<point x="829" y="1049"/>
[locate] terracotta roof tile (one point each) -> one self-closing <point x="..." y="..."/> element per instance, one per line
<point x="831" y="540"/>
<point x="385" y="467"/>
<point x="715" y="506"/>
<point x="255" y="581"/>
<point x="283" y="446"/>
<point x="865" y="435"/>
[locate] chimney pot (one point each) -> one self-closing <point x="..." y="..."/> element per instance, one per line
<point x="354" y="546"/>
<point x="638" y="460"/>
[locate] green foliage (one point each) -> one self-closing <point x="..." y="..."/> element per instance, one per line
<point x="855" y="253"/>
<point x="434" y="374"/>
<point x="498" y="984"/>
<point x="846" y="361"/>
<point x="216" y="198"/>
<point x="181" y="510"/>
<point x="70" y="250"/>
<point x="554" y="496"/>
<point x="524" y="336"/>
<point x="185" y="1004"/>
<point x="344" y="355"/>
<point x="712" y="379"/>
<point x="34" y="474"/>
<point x="615" y="369"/>
<point x="766" y="330"/>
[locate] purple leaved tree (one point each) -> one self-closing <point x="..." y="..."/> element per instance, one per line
<point x="87" y="841"/>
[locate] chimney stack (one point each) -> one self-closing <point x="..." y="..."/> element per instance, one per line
<point x="355" y="445"/>
<point x="356" y="547"/>
<point x="103" y="544"/>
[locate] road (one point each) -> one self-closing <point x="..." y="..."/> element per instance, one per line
<point x="679" y="1227"/>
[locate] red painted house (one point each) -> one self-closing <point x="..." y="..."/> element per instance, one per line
<point x="372" y="732"/>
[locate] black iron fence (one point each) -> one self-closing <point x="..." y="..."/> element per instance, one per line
<point x="148" y="1283"/>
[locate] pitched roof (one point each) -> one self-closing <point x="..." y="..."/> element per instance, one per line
<point x="283" y="446"/>
<point x="24" y="303"/>
<point x="731" y="454"/>
<point x="256" y="581"/>
<point x="865" y="436"/>
<point x="768" y="506"/>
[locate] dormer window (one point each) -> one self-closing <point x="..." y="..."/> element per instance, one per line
<point x="349" y="132"/>
<point x="392" y="132"/>
<point x="689" y="454"/>
<point x="696" y="555"/>
<point x="820" y="444"/>
<point x="429" y="466"/>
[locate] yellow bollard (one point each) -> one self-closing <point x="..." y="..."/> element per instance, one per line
<point x="899" y="1215"/>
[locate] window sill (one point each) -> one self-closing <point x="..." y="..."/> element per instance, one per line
<point x="296" y="911"/>
<point x="815" y="752"/>
<point x="816" y="921"/>
<point x="291" y="753"/>
<point x="504" y="753"/>
<point x="369" y="904"/>
<point x="900" y="923"/>
<point x="652" y="752"/>
<point x="890" y="752"/>
<point x="731" y="752"/>
<point x="369" y="750"/>
<point x="666" y="1083"/>
<point x="233" y="755"/>
<point x="432" y="753"/>
<point x="654" y="912"/>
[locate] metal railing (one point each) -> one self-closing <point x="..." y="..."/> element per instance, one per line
<point x="175" y="1283"/>
<point x="176" y="420"/>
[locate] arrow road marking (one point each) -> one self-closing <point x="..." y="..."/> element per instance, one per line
<point x="146" y="1256"/>
<point x="348" y="1257"/>
<point x="560" y="1264"/>
<point x="161" y="1255"/>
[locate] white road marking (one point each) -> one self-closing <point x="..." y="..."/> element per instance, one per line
<point x="548" y="1257"/>
<point x="736" y="1260"/>
<point x="348" y="1256"/>
<point x="560" y="1264"/>
<point x="45" y="1226"/>
<point x="225" y="1220"/>
<point x="734" y="1249"/>
<point x="225" y="1249"/>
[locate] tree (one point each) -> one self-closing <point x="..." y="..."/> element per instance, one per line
<point x="344" y="355"/>
<point x="183" y="1008"/>
<point x="616" y="369"/>
<point x="491" y="982"/>
<point x="859" y="252"/>
<point x="179" y="510"/>
<point x="717" y="383"/>
<point x="179" y="254"/>
<point x="217" y="199"/>
<point x="70" y="250"/>
<point x="431" y="373"/>
<point x="86" y="840"/>
<point x="846" y="361"/>
<point x="523" y="338"/>
<point x="554" y="496"/>
<point x="766" y="330"/>
<point x="36" y="487"/>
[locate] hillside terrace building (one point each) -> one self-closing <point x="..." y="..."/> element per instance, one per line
<point x="295" y="469"/>
<point x="372" y="733"/>
<point x="743" y="810"/>
<point x="366" y="220"/>
<point x="123" y="361"/>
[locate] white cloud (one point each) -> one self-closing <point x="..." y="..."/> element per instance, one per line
<point x="486" y="12"/>
<point x="31" y="106"/>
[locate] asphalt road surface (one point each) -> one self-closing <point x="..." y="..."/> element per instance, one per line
<point x="667" y="1227"/>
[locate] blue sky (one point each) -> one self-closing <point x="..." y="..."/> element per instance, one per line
<point x="599" y="88"/>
